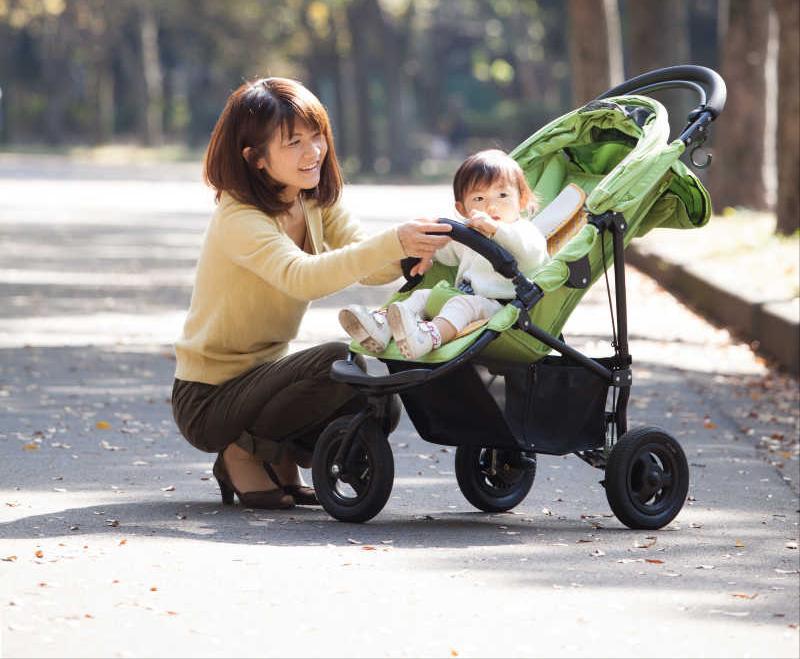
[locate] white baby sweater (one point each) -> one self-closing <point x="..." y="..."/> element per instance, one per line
<point x="521" y="238"/>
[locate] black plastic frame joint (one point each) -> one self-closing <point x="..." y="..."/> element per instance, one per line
<point x="622" y="377"/>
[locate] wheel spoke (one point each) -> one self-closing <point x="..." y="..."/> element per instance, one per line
<point x="645" y="493"/>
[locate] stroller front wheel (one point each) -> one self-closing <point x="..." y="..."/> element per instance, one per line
<point x="493" y="480"/>
<point x="358" y="488"/>
<point x="647" y="478"/>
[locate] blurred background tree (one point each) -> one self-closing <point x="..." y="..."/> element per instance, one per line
<point x="411" y="85"/>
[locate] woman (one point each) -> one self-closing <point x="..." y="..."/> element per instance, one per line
<point x="277" y="240"/>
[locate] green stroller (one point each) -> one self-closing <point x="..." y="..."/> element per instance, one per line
<point x="616" y="150"/>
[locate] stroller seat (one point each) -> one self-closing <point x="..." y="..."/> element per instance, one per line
<point x="616" y="153"/>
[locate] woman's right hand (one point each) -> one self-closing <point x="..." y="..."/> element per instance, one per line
<point x="416" y="240"/>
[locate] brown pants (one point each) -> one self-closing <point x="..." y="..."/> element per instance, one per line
<point x="275" y="407"/>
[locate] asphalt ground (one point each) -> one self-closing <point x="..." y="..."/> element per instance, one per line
<point x="114" y="543"/>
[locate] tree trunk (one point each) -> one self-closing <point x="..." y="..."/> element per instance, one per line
<point x="395" y="51"/>
<point x="361" y="70"/>
<point x="659" y="37"/>
<point x="153" y="78"/>
<point x="103" y="129"/>
<point x="737" y="179"/>
<point x="591" y="50"/>
<point x="788" y="139"/>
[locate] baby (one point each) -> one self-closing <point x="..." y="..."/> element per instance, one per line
<point x="490" y="192"/>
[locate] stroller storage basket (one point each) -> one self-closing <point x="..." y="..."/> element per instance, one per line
<point x="557" y="406"/>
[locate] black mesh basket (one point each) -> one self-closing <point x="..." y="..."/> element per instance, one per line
<point x="557" y="406"/>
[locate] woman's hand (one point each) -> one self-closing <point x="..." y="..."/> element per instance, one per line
<point x="416" y="240"/>
<point x="482" y="222"/>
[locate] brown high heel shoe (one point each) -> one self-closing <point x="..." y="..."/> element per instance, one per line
<point x="275" y="499"/>
<point x="302" y="494"/>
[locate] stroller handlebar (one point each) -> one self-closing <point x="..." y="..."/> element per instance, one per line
<point x="685" y="75"/>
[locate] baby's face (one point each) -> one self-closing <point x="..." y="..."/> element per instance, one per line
<point x="500" y="201"/>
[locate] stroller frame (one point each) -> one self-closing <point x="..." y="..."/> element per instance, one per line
<point x="646" y="471"/>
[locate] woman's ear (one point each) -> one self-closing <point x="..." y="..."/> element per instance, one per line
<point x="247" y="153"/>
<point x="461" y="209"/>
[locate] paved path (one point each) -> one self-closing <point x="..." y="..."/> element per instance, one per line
<point x="114" y="543"/>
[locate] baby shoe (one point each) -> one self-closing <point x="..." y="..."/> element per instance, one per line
<point x="369" y="328"/>
<point x="414" y="337"/>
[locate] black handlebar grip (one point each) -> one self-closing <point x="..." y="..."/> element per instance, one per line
<point x="710" y="79"/>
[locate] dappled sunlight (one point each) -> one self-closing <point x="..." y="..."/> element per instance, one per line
<point x="96" y="329"/>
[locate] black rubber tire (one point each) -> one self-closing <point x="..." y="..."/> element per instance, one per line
<point x="371" y="488"/>
<point x="647" y="478"/>
<point x="492" y="494"/>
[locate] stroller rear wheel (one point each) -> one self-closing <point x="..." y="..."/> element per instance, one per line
<point x="647" y="478"/>
<point x="494" y="480"/>
<point x="357" y="488"/>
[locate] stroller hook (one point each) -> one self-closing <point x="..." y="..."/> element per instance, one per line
<point x="699" y="165"/>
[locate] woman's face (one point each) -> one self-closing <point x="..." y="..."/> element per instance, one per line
<point x="296" y="160"/>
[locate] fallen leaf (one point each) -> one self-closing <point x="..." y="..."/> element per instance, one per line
<point x="8" y="559"/>
<point x="708" y="423"/>
<point x="123" y="542"/>
<point x="368" y="548"/>
<point x="453" y="653"/>
<point x="648" y="542"/>
<point x="704" y="567"/>
<point x="655" y="561"/>
<point x="791" y="545"/>
<point x="30" y="446"/>
<point x="739" y="544"/>
<point x="153" y="589"/>
<point x="168" y="488"/>
<point x="597" y="552"/>
<point x="102" y="425"/>
<point x="112" y="522"/>
<point x="744" y="596"/>
<point x="39" y="553"/>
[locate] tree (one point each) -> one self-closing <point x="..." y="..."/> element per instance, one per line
<point x="595" y="57"/>
<point x="788" y="206"/>
<point x="736" y="178"/>
<point x="658" y="36"/>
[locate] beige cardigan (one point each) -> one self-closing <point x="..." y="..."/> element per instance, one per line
<point x="253" y="284"/>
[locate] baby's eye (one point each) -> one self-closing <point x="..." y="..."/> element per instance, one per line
<point x="477" y="198"/>
<point x="503" y="195"/>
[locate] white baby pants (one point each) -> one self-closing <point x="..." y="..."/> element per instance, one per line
<point x="459" y="311"/>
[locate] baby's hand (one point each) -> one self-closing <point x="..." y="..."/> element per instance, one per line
<point x="422" y="267"/>
<point x="482" y="222"/>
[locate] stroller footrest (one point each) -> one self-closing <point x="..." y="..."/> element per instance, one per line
<point x="350" y="373"/>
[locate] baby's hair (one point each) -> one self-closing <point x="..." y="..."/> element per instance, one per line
<point x="486" y="168"/>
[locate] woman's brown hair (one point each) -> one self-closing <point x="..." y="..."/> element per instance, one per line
<point x="485" y="168"/>
<point x="250" y="118"/>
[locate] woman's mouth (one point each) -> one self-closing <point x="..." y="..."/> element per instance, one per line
<point x="310" y="168"/>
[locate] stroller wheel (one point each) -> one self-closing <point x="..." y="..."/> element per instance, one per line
<point x="647" y="478"/>
<point x="494" y="480"/>
<point x="358" y="488"/>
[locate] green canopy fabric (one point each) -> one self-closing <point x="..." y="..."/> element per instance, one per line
<point x="616" y="150"/>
